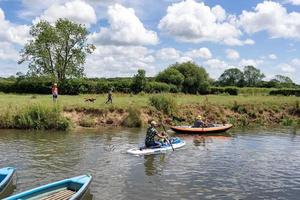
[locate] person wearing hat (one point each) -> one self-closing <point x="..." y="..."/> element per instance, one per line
<point x="54" y="90"/>
<point x="152" y="135"/>
<point x="199" y="122"/>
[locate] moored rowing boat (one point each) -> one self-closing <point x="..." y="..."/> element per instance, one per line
<point x="67" y="189"/>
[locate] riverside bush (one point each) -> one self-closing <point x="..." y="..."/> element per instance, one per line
<point x="35" y="116"/>
<point x="133" y="119"/>
<point x="164" y="103"/>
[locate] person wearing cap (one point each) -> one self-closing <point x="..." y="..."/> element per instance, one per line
<point x="152" y="134"/>
<point x="54" y="90"/>
<point x="199" y="122"/>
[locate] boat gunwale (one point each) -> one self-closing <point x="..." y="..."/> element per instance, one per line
<point x="42" y="188"/>
<point x="189" y="129"/>
<point x="11" y="171"/>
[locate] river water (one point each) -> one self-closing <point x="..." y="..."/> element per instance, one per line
<point x="252" y="164"/>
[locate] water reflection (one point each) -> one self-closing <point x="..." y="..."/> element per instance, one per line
<point x="252" y="164"/>
<point x="154" y="164"/>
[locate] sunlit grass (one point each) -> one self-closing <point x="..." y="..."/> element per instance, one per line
<point x="128" y="100"/>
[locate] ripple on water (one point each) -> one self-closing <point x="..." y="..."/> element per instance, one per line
<point x="250" y="165"/>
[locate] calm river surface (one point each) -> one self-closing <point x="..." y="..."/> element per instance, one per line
<point x="255" y="164"/>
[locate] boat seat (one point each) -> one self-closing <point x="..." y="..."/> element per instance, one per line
<point x="61" y="195"/>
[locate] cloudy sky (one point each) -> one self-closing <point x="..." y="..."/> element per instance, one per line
<point x="133" y="34"/>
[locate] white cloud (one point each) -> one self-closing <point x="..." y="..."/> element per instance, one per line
<point x="251" y="62"/>
<point x="168" y="54"/>
<point x="125" y="29"/>
<point x="232" y="54"/>
<point x="249" y="42"/>
<point x="287" y="68"/>
<point x="184" y="59"/>
<point x="77" y="11"/>
<point x="273" y="18"/>
<point x="190" y="21"/>
<point x="272" y="56"/>
<point x="199" y="53"/>
<point x="216" y="64"/>
<point x="294" y="2"/>
<point x="296" y="62"/>
<point x="8" y="52"/>
<point x="114" y="61"/>
<point x="10" y="32"/>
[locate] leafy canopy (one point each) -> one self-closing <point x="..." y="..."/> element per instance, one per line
<point x="139" y="81"/>
<point x="252" y="76"/>
<point x="58" y="51"/>
<point x="188" y="76"/>
<point x="231" y="77"/>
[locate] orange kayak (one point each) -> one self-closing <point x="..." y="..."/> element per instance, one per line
<point x="217" y="128"/>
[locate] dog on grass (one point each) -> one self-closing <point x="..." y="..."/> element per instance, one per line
<point x="90" y="100"/>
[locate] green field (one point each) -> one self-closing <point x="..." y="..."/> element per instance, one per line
<point x="126" y="100"/>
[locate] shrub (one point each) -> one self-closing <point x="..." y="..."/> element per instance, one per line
<point x="87" y="122"/>
<point x="164" y="103"/>
<point x="157" y="87"/>
<point x="133" y="118"/>
<point x="286" y="92"/>
<point x="221" y="90"/>
<point x="34" y="116"/>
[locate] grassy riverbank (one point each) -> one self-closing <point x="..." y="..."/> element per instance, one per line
<point x="240" y="110"/>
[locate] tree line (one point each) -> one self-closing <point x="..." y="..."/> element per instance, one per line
<point x="57" y="53"/>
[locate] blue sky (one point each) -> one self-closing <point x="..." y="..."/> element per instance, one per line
<point x="131" y="34"/>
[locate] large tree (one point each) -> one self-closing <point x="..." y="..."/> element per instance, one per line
<point x="252" y="76"/>
<point x="196" y="78"/>
<point x="171" y="76"/>
<point x="232" y="77"/>
<point x="139" y="81"/>
<point x="282" y="81"/>
<point x="57" y="50"/>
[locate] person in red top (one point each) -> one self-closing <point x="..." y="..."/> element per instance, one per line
<point x="54" y="92"/>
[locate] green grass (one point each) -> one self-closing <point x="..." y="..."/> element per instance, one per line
<point x="126" y="100"/>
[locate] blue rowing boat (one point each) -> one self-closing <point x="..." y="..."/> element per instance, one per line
<point x="6" y="178"/>
<point x="68" y="189"/>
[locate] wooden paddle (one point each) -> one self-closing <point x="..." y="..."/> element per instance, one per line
<point x="170" y="143"/>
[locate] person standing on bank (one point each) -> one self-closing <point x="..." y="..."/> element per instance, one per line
<point x="54" y="92"/>
<point x="109" y="97"/>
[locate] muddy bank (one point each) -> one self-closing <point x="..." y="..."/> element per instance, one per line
<point x="238" y="114"/>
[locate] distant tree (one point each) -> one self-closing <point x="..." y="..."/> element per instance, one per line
<point x="283" y="81"/>
<point x="139" y="81"/>
<point x="196" y="78"/>
<point x="231" y="77"/>
<point x="58" y="50"/>
<point x="171" y="76"/>
<point x="252" y="76"/>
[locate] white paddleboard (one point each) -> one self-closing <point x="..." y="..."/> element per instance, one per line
<point x="178" y="143"/>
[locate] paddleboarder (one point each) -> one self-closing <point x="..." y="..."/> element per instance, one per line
<point x="152" y="134"/>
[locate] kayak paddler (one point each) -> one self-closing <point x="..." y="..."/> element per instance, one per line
<point x="152" y="136"/>
<point x="199" y="122"/>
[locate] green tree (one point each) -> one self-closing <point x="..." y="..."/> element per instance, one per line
<point x="139" y="81"/>
<point x="58" y="51"/>
<point x="171" y="76"/>
<point x="252" y="76"/>
<point x="232" y="77"/>
<point x="195" y="78"/>
<point x="283" y="81"/>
